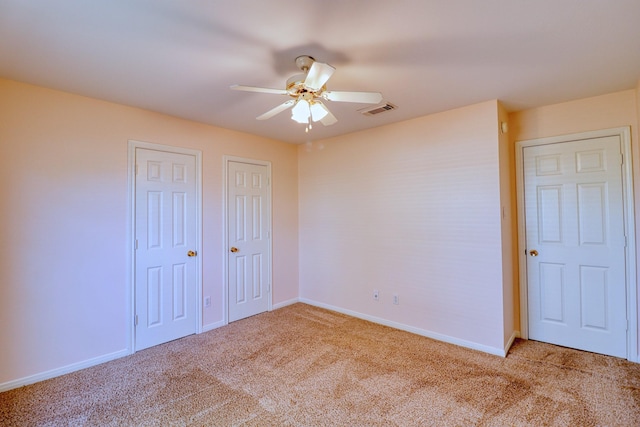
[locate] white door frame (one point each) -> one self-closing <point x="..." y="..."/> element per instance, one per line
<point x="131" y="232"/>
<point x="629" y="228"/>
<point x="225" y="228"/>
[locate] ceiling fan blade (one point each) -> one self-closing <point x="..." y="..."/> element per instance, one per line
<point x="361" y="97"/>
<point x="279" y="109"/>
<point x="318" y="75"/>
<point x="259" y="89"/>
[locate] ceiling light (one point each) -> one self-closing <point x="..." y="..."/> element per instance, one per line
<point x="318" y="111"/>
<point x="301" y="112"/>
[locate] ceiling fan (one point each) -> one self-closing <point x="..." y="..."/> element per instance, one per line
<point x="307" y="91"/>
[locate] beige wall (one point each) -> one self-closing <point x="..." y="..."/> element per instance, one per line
<point x="602" y="112"/>
<point x="413" y="209"/>
<point x="508" y="223"/>
<point x="63" y="262"/>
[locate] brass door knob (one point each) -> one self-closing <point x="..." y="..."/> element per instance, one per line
<point x="192" y="253"/>
<point x="234" y="249"/>
<point x="533" y="252"/>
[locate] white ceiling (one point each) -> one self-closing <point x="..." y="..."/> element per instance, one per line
<point x="179" y="57"/>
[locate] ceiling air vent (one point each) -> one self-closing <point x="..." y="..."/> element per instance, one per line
<point x="377" y="109"/>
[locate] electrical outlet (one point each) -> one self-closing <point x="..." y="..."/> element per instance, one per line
<point x="207" y="301"/>
<point x="396" y="299"/>
<point x="376" y="295"/>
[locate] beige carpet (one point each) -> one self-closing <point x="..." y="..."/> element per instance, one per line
<point x="304" y="366"/>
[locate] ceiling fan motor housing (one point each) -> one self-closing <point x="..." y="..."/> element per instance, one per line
<point x="296" y="88"/>
<point x="295" y="84"/>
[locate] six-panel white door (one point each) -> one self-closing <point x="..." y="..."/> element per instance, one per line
<point x="576" y="245"/>
<point x="165" y="232"/>
<point x="249" y="210"/>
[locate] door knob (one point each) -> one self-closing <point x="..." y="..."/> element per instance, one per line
<point x="533" y="252"/>
<point x="234" y="249"/>
<point x="192" y="253"/>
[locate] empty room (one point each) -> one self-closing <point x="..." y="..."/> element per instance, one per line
<point x="312" y="213"/>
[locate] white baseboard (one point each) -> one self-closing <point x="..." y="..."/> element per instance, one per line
<point x="80" y="365"/>
<point x="514" y="335"/>
<point x="63" y="370"/>
<point x="214" y="325"/>
<point x="285" y="303"/>
<point x="423" y="332"/>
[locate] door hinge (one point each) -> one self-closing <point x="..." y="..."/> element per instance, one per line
<point x="135" y="320"/>
<point x="135" y="244"/>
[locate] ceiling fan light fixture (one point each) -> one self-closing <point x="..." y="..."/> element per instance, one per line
<point x="318" y="111"/>
<point x="301" y="111"/>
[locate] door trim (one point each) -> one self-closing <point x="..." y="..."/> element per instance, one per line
<point x="131" y="217"/>
<point x="225" y="229"/>
<point x="624" y="133"/>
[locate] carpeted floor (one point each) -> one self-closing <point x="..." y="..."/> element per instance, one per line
<point x="304" y="366"/>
